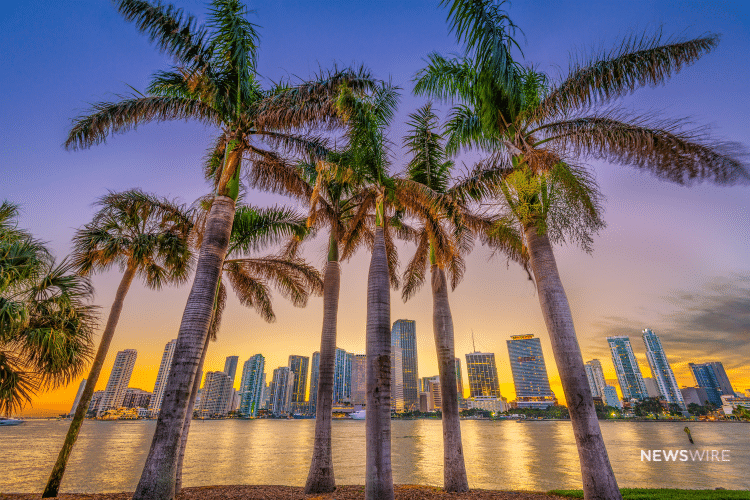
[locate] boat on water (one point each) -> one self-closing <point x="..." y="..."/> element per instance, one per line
<point x="358" y="415"/>
<point x="299" y="416"/>
<point x="10" y="421"/>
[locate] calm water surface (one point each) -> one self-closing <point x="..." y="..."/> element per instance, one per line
<point x="499" y="455"/>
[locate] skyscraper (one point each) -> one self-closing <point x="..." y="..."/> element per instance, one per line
<point x="216" y="394"/>
<point x="282" y="387"/>
<point x="118" y="380"/>
<point x="298" y="365"/>
<point x="314" y="374"/>
<point x="662" y="372"/>
<point x="230" y="367"/>
<point x="251" y="385"/>
<point x="651" y="388"/>
<point x="529" y="372"/>
<point x="712" y="377"/>
<point x="342" y="376"/>
<point x="161" y="378"/>
<point x="404" y="335"/>
<point x="595" y="375"/>
<point x="136" y="398"/>
<point x="627" y="369"/>
<point x="482" y="371"/>
<point x="77" y="400"/>
<point x="359" y="379"/>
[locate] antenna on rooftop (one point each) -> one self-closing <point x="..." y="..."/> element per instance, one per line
<point x="473" y="345"/>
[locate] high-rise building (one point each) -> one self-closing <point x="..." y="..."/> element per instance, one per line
<point x="595" y="376"/>
<point x="230" y="366"/>
<point x="404" y="335"/>
<point x="712" y="377"/>
<point x="314" y="374"/>
<point x="96" y="400"/>
<point x="529" y="372"/>
<point x="251" y="385"/>
<point x="298" y="365"/>
<point x="651" y="388"/>
<point x="359" y="379"/>
<point x="610" y="397"/>
<point x="627" y="369"/>
<point x="161" y="378"/>
<point x="118" y="380"/>
<point x="136" y="398"/>
<point x="342" y="376"/>
<point x="216" y="394"/>
<point x="660" y="369"/>
<point x="397" y="379"/>
<point x="482" y="371"/>
<point x="282" y="388"/>
<point x="77" y="400"/>
<point x="434" y="396"/>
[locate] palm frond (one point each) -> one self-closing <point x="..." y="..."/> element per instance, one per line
<point x="251" y="291"/>
<point x="255" y="228"/>
<point x="446" y="79"/>
<point x="416" y="270"/>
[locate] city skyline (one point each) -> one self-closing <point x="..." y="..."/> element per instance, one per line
<point x="657" y="233"/>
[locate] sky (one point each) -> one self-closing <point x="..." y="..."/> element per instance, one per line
<point x="673" y="259"/>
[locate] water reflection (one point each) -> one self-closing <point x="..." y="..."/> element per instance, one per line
<point x="499" y="455"/>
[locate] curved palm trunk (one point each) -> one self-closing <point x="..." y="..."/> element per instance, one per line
<point x="454" y="469"/>
<point x="159" y="473"/>
<point x="188" y="419"/>
<point x="378" y="475"/>
<point x="55" y="478"/>
<point x="320" y="479"/>
<point x="598" y="479"/>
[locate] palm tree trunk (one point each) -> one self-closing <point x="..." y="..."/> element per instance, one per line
<point x="320" y="479"/>
<point x="55" y="478"/>
<point x="598" y="478"/>
<point x="188" y="419"/>
<point x="454" y="469"/>
<point x="160" y="471"/>
<point x="378" y="475"/>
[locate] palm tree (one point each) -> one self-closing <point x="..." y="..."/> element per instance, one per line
<point x="214" y="82"/>
<point x="250" y="277"/>
<point x="537" y="130"/>
<point x="46" y="325"/>
<point x="146" y="238"/>
<point x="443" y="247"/>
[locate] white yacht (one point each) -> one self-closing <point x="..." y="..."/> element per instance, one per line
<point x="10" y="421"/>
<point x="358" y="415"/>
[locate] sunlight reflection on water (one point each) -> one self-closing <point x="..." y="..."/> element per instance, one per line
<point x="499" y="455"/>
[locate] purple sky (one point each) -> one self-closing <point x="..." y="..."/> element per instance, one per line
<point x="671" y="258"/>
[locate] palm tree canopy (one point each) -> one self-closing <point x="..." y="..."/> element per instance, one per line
<point x="46" y="323"/>
<point x="138" y="230"/>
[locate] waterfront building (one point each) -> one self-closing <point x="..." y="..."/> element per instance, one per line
<point x="251" y="385"/>
<point x="96" y="400"/>
<point x="628" y="372"/>
<point x="298" y="365"/>
<point x="342" y="377"/>
<point x="136" y="398"/>
<point x="694" y="395"/>
<point x="729" y="403"/>
<point x="482" y="371"/>
<point x="712" y="377"/>
<point x="118" y="380"/>
<point x="529" y="372"/>
<point x="282" y="387"/>
<point x="497" y="405"/>
<point x="651" y="388"/>
<point x="397" y="379"/>
<point x="404" y="335"/>
<point x="359" y="379"/>
<point x="434" y="396"/>
<point x="661" y="370"/>
<point x="424" y="402"/>
<point x="314" y="373"/>
<point x="610" y="397"/>
<point x="161" y="378"/>
<point x="77" y="400"/>
<point x="215" y="398"/>
<point x="595" y="376"/>
<point x="230" y="367"/>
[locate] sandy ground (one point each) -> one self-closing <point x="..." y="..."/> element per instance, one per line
<point x="403" y="492"/>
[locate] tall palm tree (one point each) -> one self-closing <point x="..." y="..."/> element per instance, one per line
<point x="443" y="247"/>
<point x="214" y="82"/>
<point x="46" y="325"/>
<point x="251" y="277"/>
<point x="147" y="238"/>
<point x="527" y="125"/>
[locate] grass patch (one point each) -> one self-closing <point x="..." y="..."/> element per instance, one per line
<point x="667" y="494"/>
